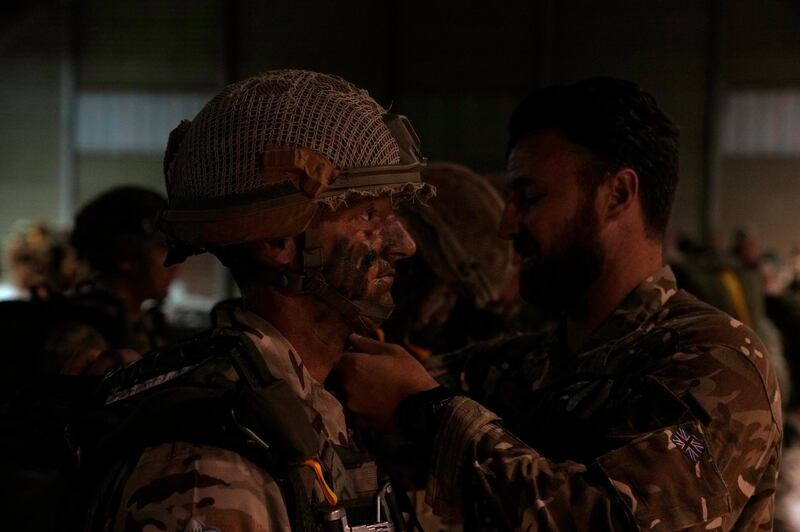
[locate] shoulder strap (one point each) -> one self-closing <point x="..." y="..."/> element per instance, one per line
<point x="156" y="400"/>
<point x="257" y="416"/>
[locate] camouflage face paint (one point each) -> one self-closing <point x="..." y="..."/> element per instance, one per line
<point x="368" y="259"/>
<point x="362" y="244"/>
<point x="345" y="269"/>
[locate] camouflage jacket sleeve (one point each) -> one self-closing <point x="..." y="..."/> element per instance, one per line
<point x="495" y="481"/>
<point x="710" y="466"/>
<point x="194" y="488"/>
<point x="449" y="368"/>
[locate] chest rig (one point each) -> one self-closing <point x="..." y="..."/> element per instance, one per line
<point x="215" y="389"/>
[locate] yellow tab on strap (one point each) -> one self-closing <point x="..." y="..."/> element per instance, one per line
<point x="315" y="466"/>
<point x="422" y="353"/>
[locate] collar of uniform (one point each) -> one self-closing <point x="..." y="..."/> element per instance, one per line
<point x="325" y="412"/>
<point x="644" y="302"/>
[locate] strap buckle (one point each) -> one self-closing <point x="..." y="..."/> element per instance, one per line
<point x="336" y="520"/>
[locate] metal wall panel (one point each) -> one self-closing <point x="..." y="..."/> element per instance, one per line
<point x="111" y="122"/>
<point x="762" y="122"/>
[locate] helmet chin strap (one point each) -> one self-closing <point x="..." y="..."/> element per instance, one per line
<point x="362" y="315"/>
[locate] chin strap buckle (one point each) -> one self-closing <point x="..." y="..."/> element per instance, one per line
<point x="312" y="259"/>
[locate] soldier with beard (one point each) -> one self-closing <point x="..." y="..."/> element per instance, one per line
<point x="645" y="409"/>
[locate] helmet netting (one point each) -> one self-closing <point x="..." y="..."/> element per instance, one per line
<point x="221" y="152"/>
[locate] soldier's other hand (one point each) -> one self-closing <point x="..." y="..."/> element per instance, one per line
<point x="376" y="376"/>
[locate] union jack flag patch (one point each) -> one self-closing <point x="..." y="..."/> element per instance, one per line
<point x="691" y="445"/>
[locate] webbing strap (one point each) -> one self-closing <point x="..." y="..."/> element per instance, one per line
<point x="313" y="258"/>
<point x="362" y="315"/>
<point x="327" y="491"/>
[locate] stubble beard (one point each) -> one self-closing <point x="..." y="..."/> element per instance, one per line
<point x="559" y="281"/>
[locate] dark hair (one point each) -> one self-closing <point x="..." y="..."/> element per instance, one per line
<point x="118" y="225"/>
<point x="621" y="126"/>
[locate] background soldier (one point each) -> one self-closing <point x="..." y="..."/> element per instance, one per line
<point x="123" y="278"/>
<point x="38" y="260"/>
<point x="646" y="409"/>
<point x="111" y="307"/>
<point x="460" y="287"/>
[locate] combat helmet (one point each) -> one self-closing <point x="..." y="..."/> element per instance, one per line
<point x="262" y="157"/>
<point x="456" y="232"/>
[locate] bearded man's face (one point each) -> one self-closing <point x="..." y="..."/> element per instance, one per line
<point x="551" y="219"/>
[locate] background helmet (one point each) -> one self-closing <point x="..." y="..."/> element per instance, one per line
<point x="456" y="232"/>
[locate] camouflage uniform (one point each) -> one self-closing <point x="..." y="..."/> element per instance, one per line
<point x="668" y="418"/>
<point x="185" y="486"/>
<point x="266" y="160"/>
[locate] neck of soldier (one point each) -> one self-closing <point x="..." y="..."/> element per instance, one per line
<point x="625" y="267"/>
<point x="317" y="332"/>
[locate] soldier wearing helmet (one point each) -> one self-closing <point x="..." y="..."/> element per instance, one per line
<point x="38" y="260"/>
<point x="121" y="253"/>
<point x="455" y="289"/>
<point x="290" y="178"/>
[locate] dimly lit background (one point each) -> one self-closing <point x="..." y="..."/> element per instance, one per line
<point x="89" y="90"/>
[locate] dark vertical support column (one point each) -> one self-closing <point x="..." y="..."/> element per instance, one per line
<point x="714" y="101"/>
<point x="224" y="285"/>
<point x="391" y="53"/>
<point x="543" y="28"/>
<point x="67" y="178"/>
<point x="229" y="69"/>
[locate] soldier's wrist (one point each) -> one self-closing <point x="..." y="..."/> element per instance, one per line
<point x="419" y="415"/>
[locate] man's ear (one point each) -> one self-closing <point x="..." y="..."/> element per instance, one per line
<point x="622" y="191"/>
<point x="274" y="253"/>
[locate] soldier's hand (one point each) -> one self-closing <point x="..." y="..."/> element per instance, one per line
<point x="376" y="376"/>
